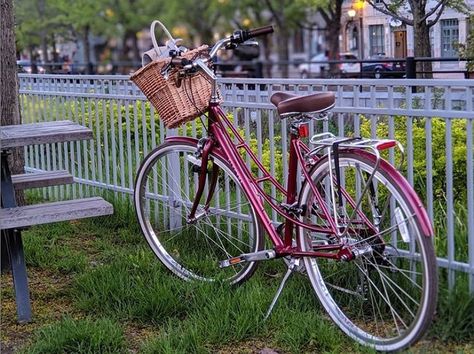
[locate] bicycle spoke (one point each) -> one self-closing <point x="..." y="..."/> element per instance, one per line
<point x="212" y="236"/>
<point x="395" y="291"/>
<point x="380" y="296"/>
<point x="386" y="299"/>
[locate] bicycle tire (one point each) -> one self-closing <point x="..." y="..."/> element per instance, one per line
<point x="166" y="179"/>
<point x="389" y="303"/>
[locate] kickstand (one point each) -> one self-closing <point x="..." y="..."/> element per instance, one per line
<point x="294" y="263"/>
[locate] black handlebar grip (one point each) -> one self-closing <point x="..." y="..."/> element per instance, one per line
<point x="179" y="61"/>
<point x="260" y="31"/>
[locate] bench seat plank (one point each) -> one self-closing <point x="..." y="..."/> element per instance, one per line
<point x="42" y="179"/>
<point x="53" y="212"/>
<point x="42" y="133"/>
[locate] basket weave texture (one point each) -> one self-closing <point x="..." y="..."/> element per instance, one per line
<point x="177" y="101"/>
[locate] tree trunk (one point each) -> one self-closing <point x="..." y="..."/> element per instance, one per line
<point x="44" y="49"/>
<point x="267" y="50"/>
<point x="421" y="34"/>
<point x="34" y="67"/>
<point x="267" y="46"/>
<point x="136" y="50"/>
<point x="9" y="104"/>
<point x="87" y="50"/>
<point x="283" y="51"/>
<point x="333" y="30"/>
<point x="125" y="47"/>
<point x="44" y="41"/>
<point x="332" y="18"/>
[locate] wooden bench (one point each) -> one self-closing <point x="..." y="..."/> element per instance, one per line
<point x="29" y="215"/>
<point x="13" y="217"/>
<point x="42" y="133"/>
<point x="41" y="179"/>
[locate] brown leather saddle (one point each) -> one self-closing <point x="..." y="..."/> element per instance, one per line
<point x="288" y="103"/>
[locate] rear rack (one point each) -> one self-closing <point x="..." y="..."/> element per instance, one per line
<point x="333" y="144"/>
<point x="329" y="139"/>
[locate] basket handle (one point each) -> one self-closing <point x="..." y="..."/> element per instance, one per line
<point x="171" y="43"/>
<point x="157" y="51"/>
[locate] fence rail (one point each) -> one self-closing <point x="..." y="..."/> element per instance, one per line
<point x="361" y="68"/>
<point x="432" y="118"/>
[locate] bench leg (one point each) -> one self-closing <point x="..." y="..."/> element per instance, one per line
<point x="14" y="248"/>
<point x="5" y="261"/>
<point x="13" y="244"/>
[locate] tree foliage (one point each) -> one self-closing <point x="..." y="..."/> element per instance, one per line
<point x="412" y="12"/>
<point x="466" y="50"/>
<point x="421" y="15"/>
<point x="331" y="12"/>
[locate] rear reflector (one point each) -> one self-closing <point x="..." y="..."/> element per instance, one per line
<point x="303" y="130"/>
<point x="385" y="144"/>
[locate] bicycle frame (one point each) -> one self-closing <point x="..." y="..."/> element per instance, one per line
<point x="220" y="142"/>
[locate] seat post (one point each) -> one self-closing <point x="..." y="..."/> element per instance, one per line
<point x="291" y="186"/>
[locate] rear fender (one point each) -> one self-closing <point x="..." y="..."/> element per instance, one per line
<point x="415" y="202"/>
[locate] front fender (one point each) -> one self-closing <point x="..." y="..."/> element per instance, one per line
<point x="181" y="139"/>
<point x="193" y="141"/>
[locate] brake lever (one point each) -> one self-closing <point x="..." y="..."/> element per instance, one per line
<point x="250" y="42"/>
<point x="230" y="46"/>
<point x="165" y="71"/>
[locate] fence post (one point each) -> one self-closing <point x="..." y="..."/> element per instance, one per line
<point x="410" y="68"/>
<point x="258" y="69"/>
<point x="176" y="200"/>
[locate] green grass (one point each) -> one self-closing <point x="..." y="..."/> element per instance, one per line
<point x="455" y="315"/>
<point x="119" y="298"/>
<point x="48" y="248"/>
<point x="460" y="233"/>
<point x="79" y="336"/>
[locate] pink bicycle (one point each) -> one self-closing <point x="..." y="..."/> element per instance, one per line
<point x="356" y="227"/>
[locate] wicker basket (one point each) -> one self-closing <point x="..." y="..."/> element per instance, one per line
<point x="177" y="100"/>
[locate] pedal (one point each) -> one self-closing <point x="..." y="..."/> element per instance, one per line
<point x="248" y="257"/>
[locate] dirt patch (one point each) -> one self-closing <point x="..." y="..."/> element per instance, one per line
<point x="138" y="334"/>
<point x="257" y="346"/>
<point x="49" y="303"/>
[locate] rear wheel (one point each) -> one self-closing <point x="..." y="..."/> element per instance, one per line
<point x="385" y="297"/>
<point x="164" y="194"/>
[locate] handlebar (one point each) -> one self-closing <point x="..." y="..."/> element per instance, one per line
<point x="238" y="37"/>
<point x="261" y="31"/>
<point x="180" y="62"/>
<point x="231" y="42"/>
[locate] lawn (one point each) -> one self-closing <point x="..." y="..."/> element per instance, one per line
<point x="97" y="288"/>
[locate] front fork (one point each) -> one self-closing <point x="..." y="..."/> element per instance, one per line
<point x="205" y="146"/>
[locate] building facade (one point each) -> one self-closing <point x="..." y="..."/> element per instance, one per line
<point x="368" y="32"/>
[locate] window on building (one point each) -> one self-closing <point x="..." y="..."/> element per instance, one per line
<point x="298" y="41"/>
<point x="354" y="39"/>
<point x="449" y="37"/>
<point x="376" y="39"/>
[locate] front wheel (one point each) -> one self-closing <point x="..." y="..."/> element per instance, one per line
<point x="386" y="296"/>
<point x="165" y="187"/>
